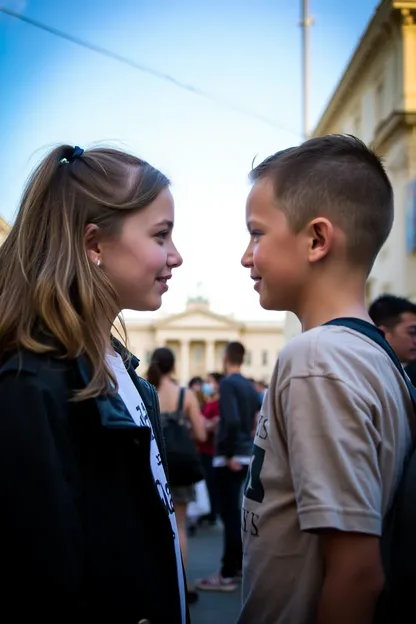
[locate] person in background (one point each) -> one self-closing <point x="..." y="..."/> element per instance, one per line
<point x="86" y="534"/>
<point x="396" y="317"/>
<point x="211" y="412"/>
<point x="195" y="384"/>
<point x="239" y="408"/>
<point x="160" y="374"/>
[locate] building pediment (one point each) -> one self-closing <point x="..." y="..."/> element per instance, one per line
<point x="201" y="318"/>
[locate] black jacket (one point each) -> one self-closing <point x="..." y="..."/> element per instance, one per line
<point x="84" y="534"/>
<point x="239" y="405"/>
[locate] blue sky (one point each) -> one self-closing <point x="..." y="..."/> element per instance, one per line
<point x="238" y="51"/>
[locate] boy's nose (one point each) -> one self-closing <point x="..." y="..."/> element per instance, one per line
<point x="247" y="259"/>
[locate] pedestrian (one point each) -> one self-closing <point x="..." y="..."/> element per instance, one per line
<point x="181" y="406"/>
<point x="239" y="408"/>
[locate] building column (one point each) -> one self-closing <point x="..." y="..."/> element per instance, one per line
<point x="184" y="362"/>
<point x="209" y="356"/>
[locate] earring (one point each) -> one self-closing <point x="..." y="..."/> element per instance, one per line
<point x="98" y="262"/>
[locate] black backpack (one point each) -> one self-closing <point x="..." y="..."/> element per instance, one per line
<point x="398" y="542"/>
<point x="184" y="462"/>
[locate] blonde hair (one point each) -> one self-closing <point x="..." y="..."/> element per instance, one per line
<point x="52" y="297"/>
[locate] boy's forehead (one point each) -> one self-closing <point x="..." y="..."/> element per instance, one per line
<point x="261" y="196"/>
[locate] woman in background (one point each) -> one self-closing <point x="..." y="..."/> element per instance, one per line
<point x="176" y="402"/>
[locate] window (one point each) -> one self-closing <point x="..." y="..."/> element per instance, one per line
<point x="357" y="122"/>
<point x="198" y="353"/>
<point x="264" y="358"/>
<point x="248" y="358"/>
<point x="379" y="101"/>
<point x="148" y="356"/>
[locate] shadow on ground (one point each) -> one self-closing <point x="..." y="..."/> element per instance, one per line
<point x="204" y="555"/>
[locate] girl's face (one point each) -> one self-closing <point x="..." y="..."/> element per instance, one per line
<point x="139" y="261"/>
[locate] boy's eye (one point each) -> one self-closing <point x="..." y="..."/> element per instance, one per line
<point x="255" y="236"/>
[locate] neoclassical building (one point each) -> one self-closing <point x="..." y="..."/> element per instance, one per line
<point x="375" y="100"/>
<point x="4" y="229"/>
<point x="198" y="337"/>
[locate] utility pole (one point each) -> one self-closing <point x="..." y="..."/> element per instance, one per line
<point x="305" y="23"/>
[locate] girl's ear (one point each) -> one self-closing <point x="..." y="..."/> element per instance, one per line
<point x="92" y="244"/>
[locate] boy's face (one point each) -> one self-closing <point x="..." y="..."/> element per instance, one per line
<point x="276" y="256"/>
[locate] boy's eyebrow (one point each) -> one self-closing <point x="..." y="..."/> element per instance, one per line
<point x="251" y="222"/>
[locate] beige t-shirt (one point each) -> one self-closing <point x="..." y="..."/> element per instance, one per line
<point x="329" y="450"/>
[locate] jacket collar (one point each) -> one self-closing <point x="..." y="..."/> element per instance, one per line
<point x="113" y="412"/>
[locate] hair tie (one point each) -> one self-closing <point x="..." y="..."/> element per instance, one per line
<point x="78" y="151"/>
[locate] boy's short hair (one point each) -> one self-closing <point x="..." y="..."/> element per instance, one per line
<point x="387" y="310"/>
<point x="338" y="177"/>
<point x="234" y="353"/>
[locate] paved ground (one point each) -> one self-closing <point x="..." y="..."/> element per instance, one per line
<point x="204" y="558"/>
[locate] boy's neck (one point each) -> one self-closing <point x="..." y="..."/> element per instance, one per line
<point x="232" y="369"/>
<point x="329" y="299"/>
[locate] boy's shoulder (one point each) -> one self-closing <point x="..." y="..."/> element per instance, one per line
<point x="330" y="351"/>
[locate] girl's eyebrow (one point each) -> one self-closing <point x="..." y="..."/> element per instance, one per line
<point x="165" y="223"/>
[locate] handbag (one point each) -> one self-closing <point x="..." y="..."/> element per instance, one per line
<point x="184" y="464"/>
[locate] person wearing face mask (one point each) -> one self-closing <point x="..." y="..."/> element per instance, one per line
<point x="211" y="412"/>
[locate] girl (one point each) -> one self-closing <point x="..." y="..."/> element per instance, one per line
<point x="87" y="528"/>
<point x="177" y="402"/>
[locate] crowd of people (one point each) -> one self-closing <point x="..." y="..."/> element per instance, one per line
<point x="199" y="407"/>
<point x="98" y="463"/>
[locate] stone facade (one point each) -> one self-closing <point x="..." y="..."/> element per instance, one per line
<point x="198" y="337"/>
<point x="4" y="229"/>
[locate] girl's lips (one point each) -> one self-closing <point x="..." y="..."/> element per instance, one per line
<point x="163" y="282"/>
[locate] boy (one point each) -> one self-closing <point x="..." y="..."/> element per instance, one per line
<point x="333" y="432"/>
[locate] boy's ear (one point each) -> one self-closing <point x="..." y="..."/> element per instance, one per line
<point x="320" y="234"/>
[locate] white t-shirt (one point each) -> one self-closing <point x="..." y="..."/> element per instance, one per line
<point x="133" y="401"/>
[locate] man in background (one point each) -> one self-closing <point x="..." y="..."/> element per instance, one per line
<point x="239" y="407"/>
<point x="396" y="317"/>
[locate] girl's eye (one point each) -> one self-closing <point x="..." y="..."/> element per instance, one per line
<point x="162" y="235"/>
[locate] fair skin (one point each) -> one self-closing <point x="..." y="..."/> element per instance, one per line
<point x="139" y="260"/>
<point x="402" y="337"/>
<point x="309" y="274"/>
<point x="168" y="393"/>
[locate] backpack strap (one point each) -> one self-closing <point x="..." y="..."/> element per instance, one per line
<point x="377" y="336"/>
<point x="383" y="614"/>
<point x="181" y="400"/>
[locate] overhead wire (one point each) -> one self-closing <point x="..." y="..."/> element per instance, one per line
<point x="146" y="69"/>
